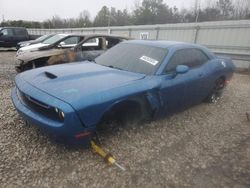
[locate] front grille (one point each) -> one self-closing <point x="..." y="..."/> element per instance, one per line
<point x="38" y="106"/>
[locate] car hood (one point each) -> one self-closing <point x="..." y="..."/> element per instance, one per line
<point x="27" y="41"/>
<point x="32" y="47"/>
<point x="75" y="83"/>
<point x="32" y="52"/>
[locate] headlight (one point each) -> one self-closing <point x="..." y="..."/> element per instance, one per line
<point x="26" y="44"/>
<point x="59" y="113"/>
<point x="19" y="52"/>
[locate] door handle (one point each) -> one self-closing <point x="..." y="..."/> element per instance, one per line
<point x="200" y="75"/>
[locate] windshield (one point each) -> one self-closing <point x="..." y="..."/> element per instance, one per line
<point x="43" y="37"/>
<point x="133" y="57"/>
<point x="54" y="39"/>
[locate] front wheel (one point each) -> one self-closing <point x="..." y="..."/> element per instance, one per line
<point x="217" y="91"/>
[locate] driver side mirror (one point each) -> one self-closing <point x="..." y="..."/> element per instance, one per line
<point x="61" y="44"/>
<point x="181" y="69"/>
<point x="1" y="34"/>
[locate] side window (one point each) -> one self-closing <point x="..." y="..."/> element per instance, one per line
<point x="198" y="58"/>
<point x="71" y="41"/>
<point x="20" y="32"/>
<point x="177" y="59"/>
<point x="110" y="42"/>
<point x="92" y="44"/>
<point x="191" y="57"/>
<point x="7" y="32"/>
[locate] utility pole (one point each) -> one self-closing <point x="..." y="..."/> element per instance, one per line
<point x="109" y="21"/>
<point x="3" y="20"/>
<point x="197" y="7"/>
<point x="109" y="18"/>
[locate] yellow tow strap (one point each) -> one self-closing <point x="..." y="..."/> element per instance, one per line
<point x="108" y="158"/>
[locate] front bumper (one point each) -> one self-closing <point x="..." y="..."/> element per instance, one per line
<point x="67" y="130"/>
<point x="19" y="65"/>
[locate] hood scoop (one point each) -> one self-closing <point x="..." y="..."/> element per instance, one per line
<point x="50" y="75"/>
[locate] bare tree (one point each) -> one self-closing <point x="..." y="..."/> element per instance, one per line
<point x="148" y="12"/>
<point x="197" y="5"/>
<point x="226" y="8"/>
<point x="84" y="19"/>
<point x="241" y="9"/>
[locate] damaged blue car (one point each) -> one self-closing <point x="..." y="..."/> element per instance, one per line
<point x="136" y="79"/>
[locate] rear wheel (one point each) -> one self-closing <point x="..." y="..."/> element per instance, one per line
<point x="217" y="91"/>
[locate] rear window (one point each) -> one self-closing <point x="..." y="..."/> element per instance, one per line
<point x="133" y="57"/>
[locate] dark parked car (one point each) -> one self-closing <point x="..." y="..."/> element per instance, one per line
<point x="64" y="48"/>
<point x="140" y="79"/>
<point x="10" y="36"/>
<point x="30" y="42"/>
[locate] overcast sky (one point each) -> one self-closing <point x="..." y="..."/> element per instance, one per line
<point x="39" y="10"/>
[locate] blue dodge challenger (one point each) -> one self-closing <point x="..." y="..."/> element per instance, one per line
<point x="136" y="79"/>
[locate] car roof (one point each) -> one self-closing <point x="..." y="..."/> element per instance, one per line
<point x="106" y="35"/>
<point x="163" y="43"/>
<point x="92" y="35"/>
<point x="12" y="28"/>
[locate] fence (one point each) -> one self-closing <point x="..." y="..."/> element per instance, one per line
<point x="229" y="38"/>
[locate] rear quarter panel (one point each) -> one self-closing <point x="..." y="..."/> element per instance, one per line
<point x="218" y="68"/>
<point x="223" y="67"/>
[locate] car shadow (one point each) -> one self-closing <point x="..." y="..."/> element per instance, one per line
<point x="7" y="50"/>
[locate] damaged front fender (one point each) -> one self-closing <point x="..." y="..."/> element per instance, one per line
<point x="155" y="102"/>
<point x="65" y="57"/>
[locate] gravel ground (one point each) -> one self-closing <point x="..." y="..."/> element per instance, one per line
<point x="205" y="146"/>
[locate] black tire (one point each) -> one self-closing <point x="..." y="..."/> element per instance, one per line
<point x="217" y="91"/>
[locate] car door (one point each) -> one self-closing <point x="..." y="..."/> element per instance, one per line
<point x="182" y="90"/>
<point x="172" y="92"/>
<point x="195" y="78"/>
<point x="196" y="85"/>
<point x="173" y="86"/>
<point x="7" y="38"/>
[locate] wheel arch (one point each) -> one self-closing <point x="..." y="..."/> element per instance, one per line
<point x="38" y="62"/>
<point x="139" y="102"/>
<point x="223" y="77"/>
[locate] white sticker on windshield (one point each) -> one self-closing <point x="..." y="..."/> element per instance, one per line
<point x="149" y="60"/>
